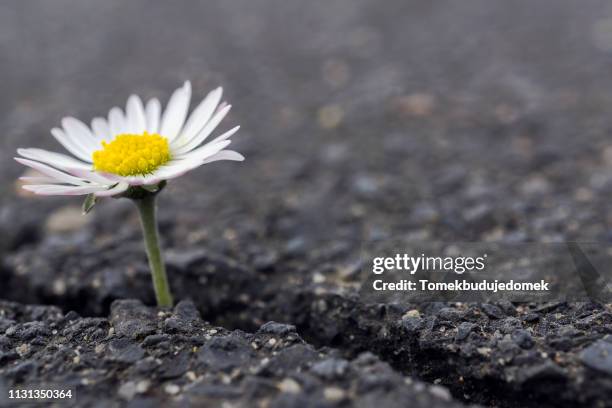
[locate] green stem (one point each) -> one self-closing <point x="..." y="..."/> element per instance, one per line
<point x="146" y="210"/>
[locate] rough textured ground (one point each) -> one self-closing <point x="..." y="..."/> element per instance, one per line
<point x="471" y="121"/>
<point x="141" y="357"/>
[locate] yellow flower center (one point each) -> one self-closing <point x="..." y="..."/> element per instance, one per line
<point x="131" y="155"/>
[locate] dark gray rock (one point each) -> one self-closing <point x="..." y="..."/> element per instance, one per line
<point x="330" y="368"/>
<point x="28" y="331"/>
<point x="132" y="319"/>
<point x="226" y="352"/>
<point x="523" y="338"/>
<point x="277" y="328"/>
<point x="450" y="314"/>
<point x="412" y="324"/>
<point x="175" y="365"/>
<point x="598" y="356"/>
<point x="187" y="311"/>
<point x="124" y="351"/>
<point x="154" y="339"/>
<point x="464" y="330"/>
<point x="5" y="324"/>
<point x="493" y="311"/>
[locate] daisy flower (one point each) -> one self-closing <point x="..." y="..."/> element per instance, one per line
<point x="136" y="147"/>
<point x="133" y="153"/>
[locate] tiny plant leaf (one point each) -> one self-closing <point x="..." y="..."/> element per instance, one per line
<point x="89" y="203"/>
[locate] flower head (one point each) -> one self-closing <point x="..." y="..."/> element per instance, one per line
<point x="138" y="146"/>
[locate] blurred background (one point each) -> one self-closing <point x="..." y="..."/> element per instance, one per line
<point x="471" y="120"/>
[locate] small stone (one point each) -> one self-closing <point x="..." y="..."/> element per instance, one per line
<point x="318" y="277"/>
<point x="154" y="339"/>
<point x="5" y="324"/>
<point x="523" y="338"/>
<point x="535" y="185"/>
<point x="493" y="311"/>
<point x="127" y="390"/>
<point x="265" y="262"/>
<point x="172" y="389"/>
<point x="509" y="325"/>
<point x="440" y="392"/>
<point x="330" y="368"/>
<point x="22" y="350"/>
<point x="334" y="394"/>
<point x="412" y="313"/>
<point x="450" y="314"/>
<point x="123" y="351"/>
<point x="175" y="366"/>
<point x="598" y="356"/>
<point x="59" y="287"/>
<point x="330" y="116"/>
<point x="416" y="104"/>
<point x="143" y="386"/>
<point x="175" y="325"/>
<point x="186" y="310"/>
<point x="365" y="185"/>
<point x="290" y="386"/>
<point x="464" y="330"/>
<point x="225" y="352"/>
<point x="132" y="319"/>
<point x="279" y="329"/>
<point x="412" y="324"/>
<point x="28" y="331"/>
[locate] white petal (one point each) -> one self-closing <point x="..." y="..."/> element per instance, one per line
<point x="200" y="115"/>
<point x="118" y="189"/>
<point x="51" y="172"/>
<point x="176" y="112"/>
<point x="101" y="129"/>
<point x="153" y="113"/>
<point x="131" y="180"/>
<point x="58" y="160"/>
<point x="188" y="165"/>
<point x="207" y="130"/>
<point x="38" y="180"/>
<point x="70" y="145"/>
<point x="116" y="121"/>
<point x="180" y="167"/>
<point x="224" y="155"/>
<point x="80" y="133"/>
<point x="225" y="135"/>
<point x="135" y="115"/>
<point x="204" y="152"/>
<point x="92" y="176"/>
<point x="174" y="170"/>
<point x="50" y="189"/>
